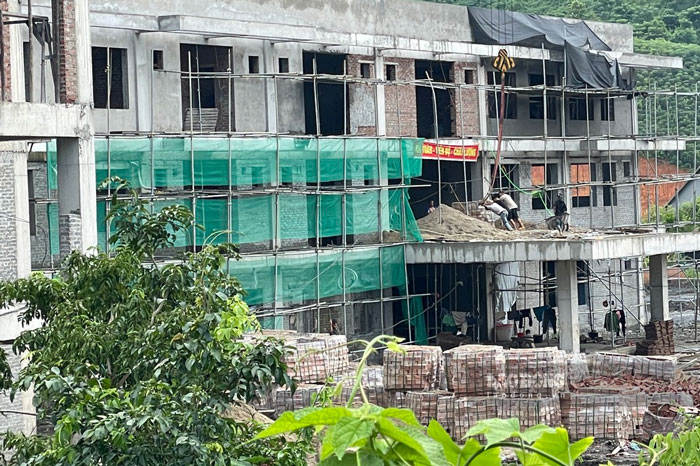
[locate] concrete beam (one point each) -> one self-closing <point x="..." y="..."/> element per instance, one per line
<point x="658" y="284"/>
<point x="595" y="247"/>
<point x="22" y="120"/>
<point x="567" y="303"/>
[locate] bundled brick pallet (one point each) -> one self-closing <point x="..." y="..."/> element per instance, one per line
<point x="372" y="384"/>
<point x="302" y="398"/>
<point x="599" y="416"/>
<point x="475" y="370"/>
<point x="469" y="411"/>
<point x="659" y="339"/>
<point x="316" y="357"/>
<point x="636" y="400"/>
<point x="615" y="365"/>
<point x="530" y="411"/>
<point x="535" y="372"/>
<point x="419" y="368"/>
<point x="576" y="368"/>
<point x="437" y="405"/>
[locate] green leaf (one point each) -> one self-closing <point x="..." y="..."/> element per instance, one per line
<point x="364" y="458"/>
<point x="405" y="415"/>
<point x="557" y="444"/>
<point x="535" y="432"/>
<point x="347" y="432"/>
<point x="394" y="347"/>
<point x="490" y="457"/>
<point x="288" y="422"/>
<point x="496" y="430"/>
<point x="440" y="435"/>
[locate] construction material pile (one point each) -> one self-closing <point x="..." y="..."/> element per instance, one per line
<point x="576" y="368"/>
<point x="595" y="415"/>
<point x="469" y="411"/>
<point x="534" y="372"/>
<point x="303" y="397"/>
<point x="475" y="370"/>
<point x="613" y="365"/>
<point x="316" y="357"/>
<point x="683" y="384"/>
<point x="373" y="386"/>
<point x="659" y="339"/>
<point x="636" y="401"/>
<point x="416" y="368"/>
<point x="448" y="223"/>
<point x="432" y="405"/>
<point x="530" y="411"/>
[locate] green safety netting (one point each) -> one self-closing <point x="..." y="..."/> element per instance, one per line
<point x="309" y="276"/>
<point x="172" y="164"/>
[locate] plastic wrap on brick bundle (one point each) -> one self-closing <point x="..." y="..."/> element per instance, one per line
<point x="372" y="384"/>
<point x="658" y="367"/>
<point x="534" y="372"/>
<point x="576" y="368"/>
<point x="530" y="411"/>
<point x="397" y="399"/>
<point x="475" y="370"/>
<point x="594" y="415"/>
<point x="302" y="398"/>
<point x="317" y="357"/>
<point x="610" y="364"/>
<point x="431" y="405"/>
<point x="416" y="369"/>
<point x="673" y="399"/>
<point x="636" y="400"/>
<point x="469" y="411"/>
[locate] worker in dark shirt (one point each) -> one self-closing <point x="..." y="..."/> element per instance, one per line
<point x="560" y="206"/>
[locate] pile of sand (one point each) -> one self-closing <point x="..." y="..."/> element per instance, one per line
<point x="458" y="226"/>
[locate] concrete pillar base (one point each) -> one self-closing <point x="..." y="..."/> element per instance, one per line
<point x="567" y="301"/>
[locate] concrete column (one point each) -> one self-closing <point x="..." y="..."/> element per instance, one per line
<point x="76" y="193"/>
<point x="15" y="246"/>
<point x="567" y="302"/>
<point x="490" y="304"/>
<point x="658" y="283"/>
<point x="269" y="67"/>
<point x="380" y="107"/>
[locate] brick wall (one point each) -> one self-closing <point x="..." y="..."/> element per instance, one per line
<point x="6" y="64"/>
<point x="11" y="422"/>
<point x="67" y="72"/>
<point x="41" y="250"/>
<point x="8" y="232"/>
<point x="69" y="228"/>
<point x="465" y="121"/>
<point x="400" y="100"/>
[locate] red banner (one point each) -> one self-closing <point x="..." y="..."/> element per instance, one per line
<point x="450" y="152"/>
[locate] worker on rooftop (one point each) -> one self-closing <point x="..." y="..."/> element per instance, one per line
<point x="560" y="211"/>
<point x="500" y="211"/>
<point x="507" y="202"/>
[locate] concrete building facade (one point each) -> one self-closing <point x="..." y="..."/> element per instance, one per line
<point x="296" y="129"/>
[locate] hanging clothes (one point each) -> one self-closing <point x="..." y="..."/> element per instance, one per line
<point x="549" y="319"/>
<point x="612" y="322"/>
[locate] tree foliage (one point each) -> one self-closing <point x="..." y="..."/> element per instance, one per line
<point x="137" y="361"/>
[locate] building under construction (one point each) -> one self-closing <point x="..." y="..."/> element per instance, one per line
<point x="345" y="147"/>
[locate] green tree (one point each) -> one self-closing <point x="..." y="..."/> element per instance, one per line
<point x="136" y="361"/>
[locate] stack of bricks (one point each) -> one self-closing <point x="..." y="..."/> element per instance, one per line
<point x="659" y="367"/>
<point x="372" y="385"/>
<point x="437" y="405"/>
<point x="469" y="411"/>
<point x="316" y="357"/>
<point x="475" y="370"/>
<point x="636" y="400"/>
<point x="534" y="372"/>
<point x="576" y="368"/>
<point x="615" y="365"/>
<point x="303" y="397"/>
<point x="595" y="415"/>
<point x="530" y="411"/>
<point x="659" y="339"/>
<point x="418" y="368"/>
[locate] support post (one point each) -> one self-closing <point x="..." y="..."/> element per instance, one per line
<point x="567" y="301"/>
<point x="658" y="284"/>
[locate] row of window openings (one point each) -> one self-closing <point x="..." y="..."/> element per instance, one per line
<point x="109" y="74"/>
<point x="576" y="105"/>
<point x="584" y="196"/>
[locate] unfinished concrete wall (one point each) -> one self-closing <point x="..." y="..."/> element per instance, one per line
<point x="362" y="97"/>
<point x="400" y="100"/>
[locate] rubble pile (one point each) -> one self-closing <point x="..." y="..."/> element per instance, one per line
<point x="683" y="384"/>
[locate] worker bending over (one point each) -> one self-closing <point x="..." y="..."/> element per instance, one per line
<point x="507" y="202"/>
<point x="500" y="211"/>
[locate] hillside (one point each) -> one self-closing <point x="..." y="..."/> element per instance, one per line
<point x="662" y="27"/>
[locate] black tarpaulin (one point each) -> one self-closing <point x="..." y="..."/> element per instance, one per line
<point x="501" y="27"/>
<point x="588" y="70"/>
